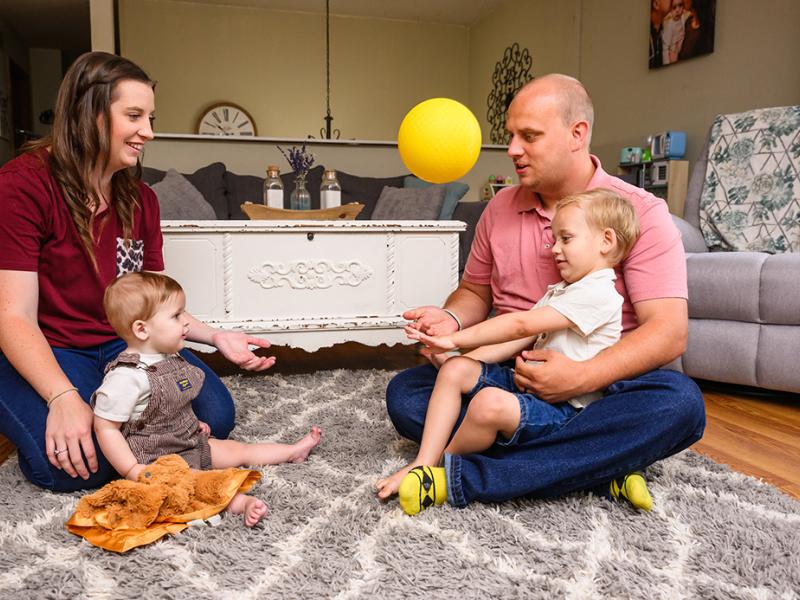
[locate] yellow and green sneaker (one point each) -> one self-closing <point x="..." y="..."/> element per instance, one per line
<point x="421" y="488"/>
<point x="633" y="488"/>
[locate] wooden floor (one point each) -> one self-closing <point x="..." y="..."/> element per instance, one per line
<point x="756" y="435"/>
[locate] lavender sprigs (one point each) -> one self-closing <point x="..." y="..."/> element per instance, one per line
<point x="298" y="159"/>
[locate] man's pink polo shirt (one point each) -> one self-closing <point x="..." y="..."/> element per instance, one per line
<point x="512" y="250"/>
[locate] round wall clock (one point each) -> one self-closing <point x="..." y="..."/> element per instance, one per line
<point x="226" y="118"/>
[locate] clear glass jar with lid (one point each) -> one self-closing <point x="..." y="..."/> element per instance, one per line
<point x="273" y="188"/>
<point x="330" y="191"/>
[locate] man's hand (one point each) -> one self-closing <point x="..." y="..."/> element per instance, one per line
<point x="436" y="344"/>
<point x="431" y="320"/>
<point x="555" y="378"/>
<point x="235" y="346"/>
<point x="68" y="436"/>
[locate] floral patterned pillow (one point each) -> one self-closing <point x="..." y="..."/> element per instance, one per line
<point x="751" y="196"/>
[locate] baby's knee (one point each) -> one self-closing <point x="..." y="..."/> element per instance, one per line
<point x="491" y="406"/>
<point x="460" y="368"/>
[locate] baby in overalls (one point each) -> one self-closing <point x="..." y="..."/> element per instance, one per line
<point x="143" y="409"/>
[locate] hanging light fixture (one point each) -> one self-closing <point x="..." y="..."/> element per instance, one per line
<point x="327" y="132"/>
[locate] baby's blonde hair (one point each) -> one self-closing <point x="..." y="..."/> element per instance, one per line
<point x="605" y="209"/>
<point x="136" y="297"/>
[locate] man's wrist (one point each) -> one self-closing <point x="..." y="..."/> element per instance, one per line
<point x="455" y="318"/>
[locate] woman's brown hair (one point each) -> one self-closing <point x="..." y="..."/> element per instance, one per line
<point x="79" y="142"/>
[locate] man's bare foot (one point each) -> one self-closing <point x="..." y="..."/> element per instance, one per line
<point x="305" y="445"/>
<point x="388" y="486"/>
<point x="251" y="507"/>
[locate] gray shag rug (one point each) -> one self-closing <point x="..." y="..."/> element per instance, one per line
<point x="713" y="533"/>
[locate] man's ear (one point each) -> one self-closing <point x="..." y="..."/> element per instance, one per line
<point x="139" y="329"/>
<point x="580" y="135"/>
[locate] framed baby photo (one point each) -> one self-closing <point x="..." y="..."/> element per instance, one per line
<point x="680" y="29"/>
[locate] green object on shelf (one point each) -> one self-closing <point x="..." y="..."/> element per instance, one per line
<point x="646" y="156"/>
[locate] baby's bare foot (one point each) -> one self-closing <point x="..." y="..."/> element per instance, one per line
<point x="388" y="486"/>
<point x="251" y="507"/>
<point x="305" y="445"/>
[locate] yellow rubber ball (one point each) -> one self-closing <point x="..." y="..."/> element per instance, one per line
<point x="439" y="140"/>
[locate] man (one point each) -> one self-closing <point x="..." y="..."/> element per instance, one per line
<point x="646" y="413"/>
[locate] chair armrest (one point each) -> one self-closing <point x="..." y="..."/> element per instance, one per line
<point x="693" y="240"/>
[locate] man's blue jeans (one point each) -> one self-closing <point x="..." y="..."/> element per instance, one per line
<point x="636" y="423"/>
<point x="23" y="413"/>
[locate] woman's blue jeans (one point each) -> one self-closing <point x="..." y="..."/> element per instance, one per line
<point x="637" y="422"/>
<point x="23" y="413"/>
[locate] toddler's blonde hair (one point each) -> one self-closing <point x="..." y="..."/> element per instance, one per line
<point x="605" y="209"/>
<point x="136" y="297"/>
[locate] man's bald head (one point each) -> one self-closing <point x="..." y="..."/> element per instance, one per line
<point x="569" y="95"/>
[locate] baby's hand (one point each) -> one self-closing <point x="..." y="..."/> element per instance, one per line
<point x="437" y="344"/>
<point x="204" y="428"/>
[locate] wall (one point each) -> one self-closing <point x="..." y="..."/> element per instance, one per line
<point x="45" y="79"/>
<point x="754" y="64"/>
<point x="549" y="30"/>
<point x="11" y="47"/>
<point x="273" y="64"/>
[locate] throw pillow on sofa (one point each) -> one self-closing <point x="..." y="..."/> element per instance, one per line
<point x="365" y="190"/>
<point x="409" y="204"/>
<point x="180" y="200"/>
<point x="453" y="192"/>
<point x="208" y="180"/>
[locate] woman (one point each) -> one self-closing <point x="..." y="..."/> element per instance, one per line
<point x="73" y="217"/>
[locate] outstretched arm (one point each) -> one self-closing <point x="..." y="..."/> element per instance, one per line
<point x="509" y="327"/>
<point x="470" y="302"/>
<point x="234" y="345"/>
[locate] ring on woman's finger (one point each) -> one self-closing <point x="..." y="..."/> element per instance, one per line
<point x="57" y="452"/>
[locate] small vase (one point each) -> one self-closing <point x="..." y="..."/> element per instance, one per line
<point x="300" y="198"/>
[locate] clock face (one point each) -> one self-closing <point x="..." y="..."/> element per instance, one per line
<point x="226" y="119"/>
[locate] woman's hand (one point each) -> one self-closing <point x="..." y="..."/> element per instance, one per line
<point x="68" y="436"/>
<point x="235" y="346"/>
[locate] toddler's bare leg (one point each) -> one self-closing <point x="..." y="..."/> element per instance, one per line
<point x="490" y="412"/>
<point x="231" y="453"/>
<point x="457" y="376"/>
<point x="251" y="507"/>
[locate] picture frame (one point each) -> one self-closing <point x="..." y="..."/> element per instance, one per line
<point x="679" y="30"/>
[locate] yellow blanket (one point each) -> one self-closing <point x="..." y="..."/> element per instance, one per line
<point x="167" y="496"/>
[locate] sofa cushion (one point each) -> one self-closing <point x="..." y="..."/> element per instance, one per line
<point x="250" y="188"/>
<point x="409" y="204"/>
<point x="751" y="195"/>
<point x="180" y="200"/>
<point x="365" y="190"/>
<point x="724" y="285"/>
<point x="780" y="290"/>
<point x="208" y="180"/>
<point x="453" y="192"/>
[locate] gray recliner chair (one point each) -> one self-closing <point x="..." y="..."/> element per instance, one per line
<point x="744" y="306"/>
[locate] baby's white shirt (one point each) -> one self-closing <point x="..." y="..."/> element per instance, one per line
<point x="125" y="392"/>
<point x="595" y="307"/>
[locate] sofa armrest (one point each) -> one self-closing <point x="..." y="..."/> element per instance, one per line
<point x="693" y="240"/>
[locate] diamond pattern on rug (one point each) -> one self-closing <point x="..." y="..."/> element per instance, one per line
<point x="712" y="533"/>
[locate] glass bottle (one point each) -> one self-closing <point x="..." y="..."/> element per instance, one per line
<point x="273" y="188"/>
<point x="330" y="191"/>
<point x="300" y="198"/>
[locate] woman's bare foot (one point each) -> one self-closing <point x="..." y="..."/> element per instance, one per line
<point x="304" y="446"/>
<point x="251" y="507"/>
<point x="388" y="486"/>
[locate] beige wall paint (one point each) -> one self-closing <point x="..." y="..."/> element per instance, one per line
<point x="549" y="30"/>
<point x="754" y="64"/>
<point x="273" y="64"/>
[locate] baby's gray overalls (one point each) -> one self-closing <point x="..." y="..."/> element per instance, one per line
<point x="168" y="424"/>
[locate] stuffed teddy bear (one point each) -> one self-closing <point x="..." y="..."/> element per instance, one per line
<point x="166" y="497"/>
